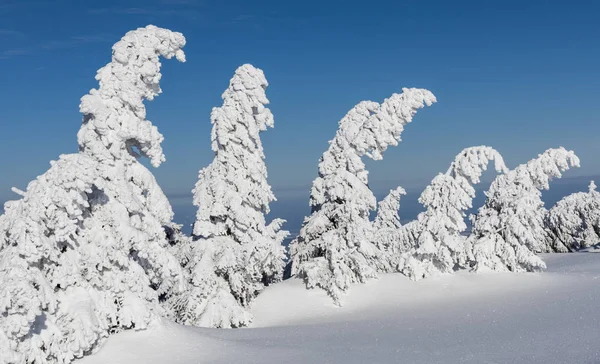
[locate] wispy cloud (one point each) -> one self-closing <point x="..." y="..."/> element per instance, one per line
<point x="242" y="18"/>
<point x="72" y="42"/>
<point x="146" y="11"/>
<point x="155" y="8"/>
<point x="10" y="53"/>
<point x="139" y="11"/>
<point x="120" y="10"/>
<point x="7" y="7"/>
<point x="10" y="33"/>
<point x="191" y="3"/>
<point x="77" y="40"/>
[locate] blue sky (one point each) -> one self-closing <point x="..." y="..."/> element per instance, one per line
<point x="521" y="76"/>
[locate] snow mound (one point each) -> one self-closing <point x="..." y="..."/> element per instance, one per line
<point x="528" y="318"/>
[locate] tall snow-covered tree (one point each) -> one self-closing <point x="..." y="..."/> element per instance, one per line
<point x="84" y="253"/>
<point x="574" y="222"/>
<point x="235" y="254"/>
<point x="509" y="228"/>
<point x="437" y="241"/>
<point x="335" y="246"/>
<point x="130" y="211"/>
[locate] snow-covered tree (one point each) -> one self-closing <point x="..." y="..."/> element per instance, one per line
<point x="388" y="235"/>
<point x="39" y="268"/>
<point x="509" y="228"/>
<point x="235" y="254"/>
<point x="387" y="210"/>
<point x="84" y="253"/>
<point x="130" y="210"/>
<point x="335" y="246"/>
<point x="437" y="242"/>
<point x="574" y="222"/>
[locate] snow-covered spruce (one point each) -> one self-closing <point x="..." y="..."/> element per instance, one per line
<point x="388" y="235"/>
<point x="509" y="228"/>
<point x="234" y="253"/>
<point x="40" y="269"/>
<point x="574" y="222"/>
<point x="84" y="253"/>
<point x="436" y="240"/>
<point x="387" y="210"/>
<point x="334" y="248"/>
<point x="130" y="209"/>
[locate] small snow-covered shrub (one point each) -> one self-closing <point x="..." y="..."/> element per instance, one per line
<point x="574" y="222"/>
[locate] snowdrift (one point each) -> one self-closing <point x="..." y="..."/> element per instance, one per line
<point x="528" y="318"/>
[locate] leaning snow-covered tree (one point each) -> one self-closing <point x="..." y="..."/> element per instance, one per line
<point x="84" y="253"/>
<point x="234" y="253"/>
<point x="335" y="246"/>
<point x="509" y="228"/>
<point x="574" y="222"/>
<point x="437" y="243"/>
<point x="129" y="211"/>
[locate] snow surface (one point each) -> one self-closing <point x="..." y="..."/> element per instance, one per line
<point x="549" y="317"/>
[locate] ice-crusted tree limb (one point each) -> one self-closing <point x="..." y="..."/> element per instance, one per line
<point x="509" y="228"/>
<point x="436" y="241"/>
<point x="334" y="248"/>
<point x="235" y="254"/>
<point x="84" y="253"/>
<point x="574" y="222"/>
